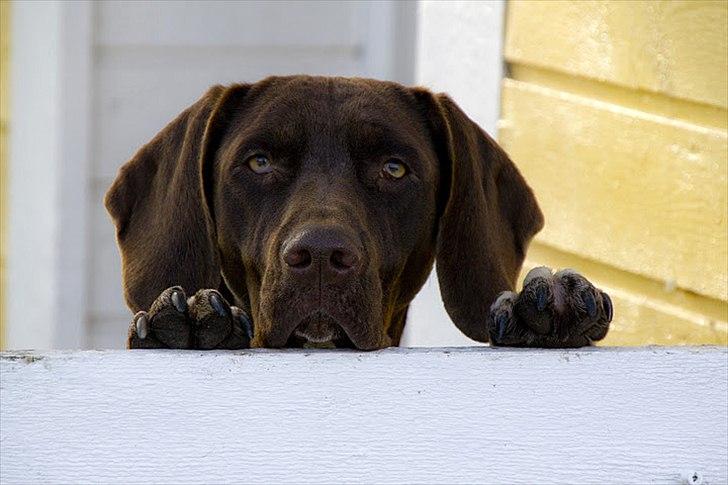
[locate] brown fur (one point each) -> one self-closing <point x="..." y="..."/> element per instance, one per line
<point x="190" y="212"/>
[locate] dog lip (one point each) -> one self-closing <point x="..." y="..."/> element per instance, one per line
<point x="313" y="338"/>
<point x="319" y="327"/>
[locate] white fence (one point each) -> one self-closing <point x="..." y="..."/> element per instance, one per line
<point x="648" y="415"/>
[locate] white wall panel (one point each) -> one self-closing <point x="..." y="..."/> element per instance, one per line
<point x="139" y="90"/>
<point x="220" y="23"/>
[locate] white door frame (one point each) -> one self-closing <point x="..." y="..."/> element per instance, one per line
<point x="460" y="52"/>
<point x="49" y="154"/>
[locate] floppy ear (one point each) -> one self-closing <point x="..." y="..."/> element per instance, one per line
<point x="158" y="202"/>
<point x="488" y="217"/>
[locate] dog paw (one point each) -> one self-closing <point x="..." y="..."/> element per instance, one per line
<point x="204" y="321"/>
<point x="553" y="310"/>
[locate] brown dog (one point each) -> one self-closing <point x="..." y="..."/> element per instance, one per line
<point x="317" y="207"/>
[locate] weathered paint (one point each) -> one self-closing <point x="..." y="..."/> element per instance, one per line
<point x="648" y="415"/>
<point x="616" y="113"/>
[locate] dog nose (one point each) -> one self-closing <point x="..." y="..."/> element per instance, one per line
<point x="325" y="250"/>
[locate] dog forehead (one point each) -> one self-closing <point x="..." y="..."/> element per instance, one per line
<point x="321" y="112"/>
<point x="330" y="100"/>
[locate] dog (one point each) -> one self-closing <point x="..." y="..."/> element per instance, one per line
<point x="308" y="212"/>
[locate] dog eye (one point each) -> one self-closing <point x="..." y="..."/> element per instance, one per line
<point x="394" y="169"/>
<point x="260" y="164"/>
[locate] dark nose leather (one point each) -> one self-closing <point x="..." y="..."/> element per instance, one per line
<point x="322" y="252"/>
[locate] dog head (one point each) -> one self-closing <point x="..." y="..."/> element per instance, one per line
<point x="322" y="203"/>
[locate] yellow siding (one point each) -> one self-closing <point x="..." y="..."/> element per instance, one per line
<point x="675" y="47"/>
<point x="616" y="113"/>
<point x="640" y="192"/>
<point x="4" y="120"/>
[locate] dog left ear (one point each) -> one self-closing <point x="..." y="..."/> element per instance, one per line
<point x="489" y="216"/>
<point x="159" y="203"/>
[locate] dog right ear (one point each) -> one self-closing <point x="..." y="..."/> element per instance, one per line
<point x="158" y="203"/>
<point x="490" y="216"/>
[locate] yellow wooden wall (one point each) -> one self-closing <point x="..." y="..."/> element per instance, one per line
<point x="615" y="111"/>
<point x="4" y="120"/>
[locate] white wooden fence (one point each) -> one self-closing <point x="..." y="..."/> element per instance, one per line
<point x="647" y="415"/>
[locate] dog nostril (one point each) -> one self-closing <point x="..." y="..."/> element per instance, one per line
<point x="343" y="260"/>
<point x="298" y="258"/>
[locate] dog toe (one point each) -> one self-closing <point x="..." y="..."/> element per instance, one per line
<point x="534" y="305"/>
<point x="501" y="318"/>
<point x="586" y="311"/>
<point x="212" y="317"/>
<point x="241" y="332"/>
<point x="168" y="319"/>
<point x="139" y="334"/>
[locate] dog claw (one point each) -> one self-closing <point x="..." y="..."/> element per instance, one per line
<point x="502" y="322"/>
<point x="541" y="298"/>
<point x="217" y="305"/>
<point x="179" y="302"/>
<point x="607" y="302"/>
<point x="246" y="324"/>
<point x="590" y="303"/>
<point x="142" y="327"/>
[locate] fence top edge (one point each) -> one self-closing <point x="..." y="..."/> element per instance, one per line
<point x="32" y="355"/>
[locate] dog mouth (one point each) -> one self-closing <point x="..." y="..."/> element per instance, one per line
<point x="319" y="331"/>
